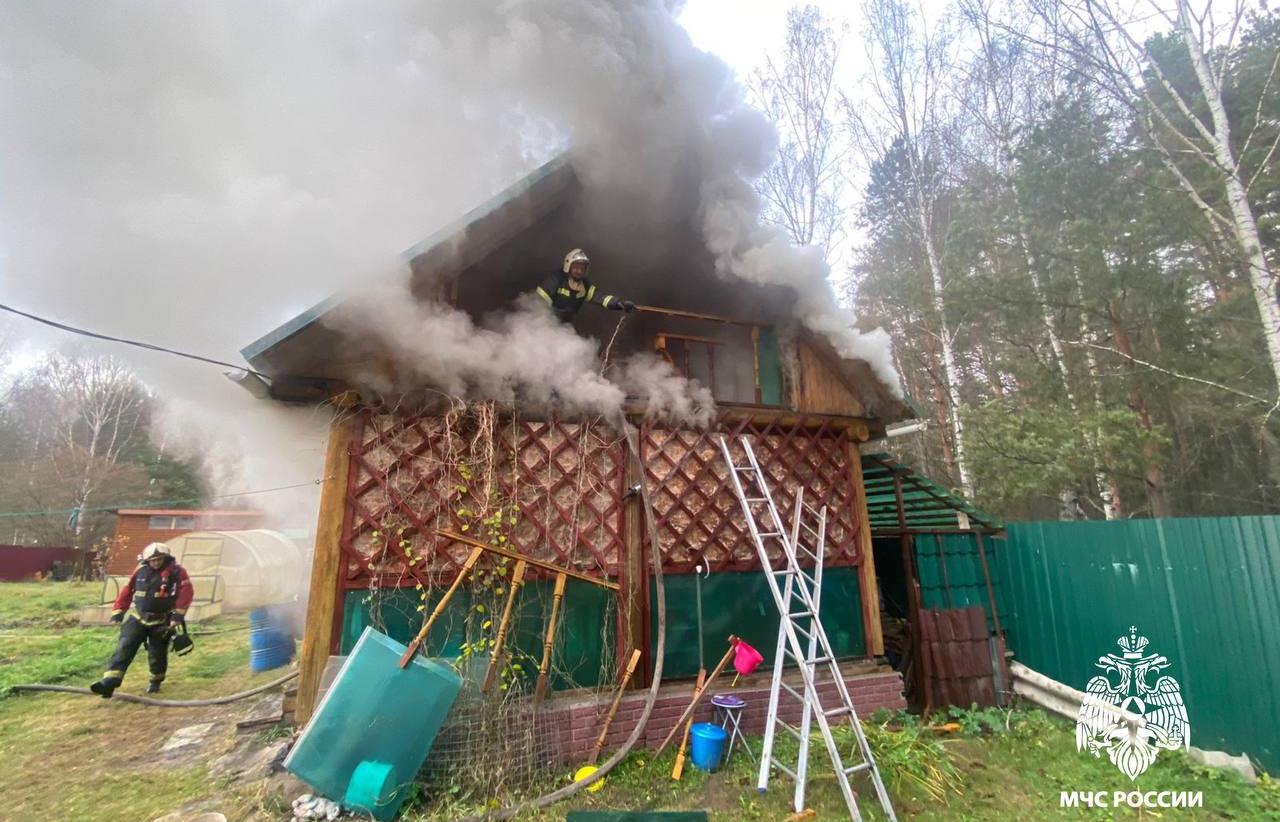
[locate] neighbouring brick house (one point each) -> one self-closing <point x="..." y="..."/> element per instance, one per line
<point x="392" y="467"/>
<point x="137" y="527"/>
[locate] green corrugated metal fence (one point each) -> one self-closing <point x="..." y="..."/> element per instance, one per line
<point x="1206" y="592"/>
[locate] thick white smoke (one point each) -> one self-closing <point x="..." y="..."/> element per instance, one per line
<point x="523" y="357"/>
<point x="194" y="174"/>
<point x="637" y="99"/>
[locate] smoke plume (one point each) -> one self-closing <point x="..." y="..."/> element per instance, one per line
<point x="195" y="174"/>
<point x="622" y="80"/>
<point x="524" y="356"/>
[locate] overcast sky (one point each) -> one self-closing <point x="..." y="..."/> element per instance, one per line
<point x="741" y="31"/>
<point x="744" y="32"/>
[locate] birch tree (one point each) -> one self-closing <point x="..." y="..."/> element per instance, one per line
<point x="901" y="122"/>
<point x="1186" y="122"/>
<point x="100" y="407"/>
<point x="1005" y="82"/>
<point x="73" y="427"/>
<point x="803" y="190"/>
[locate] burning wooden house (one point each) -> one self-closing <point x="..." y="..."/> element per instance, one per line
<point x="555" y="486"/>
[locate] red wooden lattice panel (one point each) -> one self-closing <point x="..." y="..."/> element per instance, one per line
<point x="557" y="487"/>
<point x="698" y="514"/>
<point x="562" y="483"/>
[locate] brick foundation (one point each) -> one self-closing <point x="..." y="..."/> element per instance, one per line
<point x="576" y="720"/>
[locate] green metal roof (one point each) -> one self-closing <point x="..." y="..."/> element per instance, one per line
<point x="926" y="505"/>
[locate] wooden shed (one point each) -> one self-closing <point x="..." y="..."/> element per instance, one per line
<point x="136" y="528"/>
<point x="557" y="488"/>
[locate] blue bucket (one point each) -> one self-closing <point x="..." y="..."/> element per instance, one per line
<point x="372" y="788"/>
<point x="706" y="745"/>
<point x="270" y="646"/>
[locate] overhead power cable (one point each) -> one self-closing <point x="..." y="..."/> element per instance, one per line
<point x="156" y="503"/>
<point x="135" y="343"/>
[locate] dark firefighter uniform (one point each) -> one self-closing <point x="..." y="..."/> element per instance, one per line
<point x="566" y="295"/>
<point x="160" y="598"/>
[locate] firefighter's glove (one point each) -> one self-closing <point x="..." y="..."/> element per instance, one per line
<point x="117" y="617"/>
<point x="623" y="305"/>
<point x="177" y="621"/>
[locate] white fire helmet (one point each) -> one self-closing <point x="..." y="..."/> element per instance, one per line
<point x="575" y="256"/>
<point x="155" y="549"/>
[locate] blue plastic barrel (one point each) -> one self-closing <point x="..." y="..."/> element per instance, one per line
<point x="271" y="645"/>
<point x="706" y="743"/>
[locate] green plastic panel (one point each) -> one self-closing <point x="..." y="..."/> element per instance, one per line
<point x="1204" y="591"/>
<point x="965" y="586"/>
<point x="770" y="368"/>
<point x="374" y="727"/>
<point x="586" y="633"/>
<point x="740" y="603"/>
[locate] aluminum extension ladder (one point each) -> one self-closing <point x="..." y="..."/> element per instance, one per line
<point x="797" y="596"/>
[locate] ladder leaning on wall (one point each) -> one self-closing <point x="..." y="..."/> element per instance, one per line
<point x="797" y="596"/>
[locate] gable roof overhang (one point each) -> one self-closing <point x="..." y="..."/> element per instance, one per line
<point x="459" y="244"/>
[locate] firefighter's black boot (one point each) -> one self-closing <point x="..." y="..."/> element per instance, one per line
<point x="153" y="687"/>
<point x="105" y="687"/>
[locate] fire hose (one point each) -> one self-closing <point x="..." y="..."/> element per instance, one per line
<point x="161" y="703"/>
<point x="660" y="594"/>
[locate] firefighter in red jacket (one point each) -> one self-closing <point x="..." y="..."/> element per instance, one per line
<point x="160" y="592"/>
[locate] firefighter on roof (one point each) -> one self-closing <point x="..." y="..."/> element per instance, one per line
<point x="160" y="592"/>
<point x="567" y="289"/>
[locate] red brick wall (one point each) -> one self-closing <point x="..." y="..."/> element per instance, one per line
<point x="133" y="534"/>
<point x="577" y="722"/>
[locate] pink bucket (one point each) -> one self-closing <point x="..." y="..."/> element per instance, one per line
<point x="746" y="659"/>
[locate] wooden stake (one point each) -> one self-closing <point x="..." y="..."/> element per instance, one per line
<point x="517" y="579"/>
<point x="540" y="691"/>
<point x="537" y="563"/>
<point x="472" y="559"/>
<point x="678" y="770"/>
<point x="688" y="712"/>
<point x="613" y="709"/>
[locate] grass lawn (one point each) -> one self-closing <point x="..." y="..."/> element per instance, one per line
<point x="84" y="759"/>
<point x="986" y="772"/>
<point x="39" y="638"/>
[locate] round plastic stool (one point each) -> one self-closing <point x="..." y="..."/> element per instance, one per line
<point x="728" y="715"/>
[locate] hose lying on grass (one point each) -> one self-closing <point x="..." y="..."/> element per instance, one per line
<point x="660" y="595"/>
<point x="161" y="703"/>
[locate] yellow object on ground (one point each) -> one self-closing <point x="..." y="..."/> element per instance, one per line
<point x="583" y="773"/>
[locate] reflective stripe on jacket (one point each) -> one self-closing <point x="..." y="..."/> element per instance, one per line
<point x="565" y="300"/>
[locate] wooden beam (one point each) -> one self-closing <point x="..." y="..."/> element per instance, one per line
<point x="755" y="363"/>
<point x="691" y="315"/>
<point x="855" y="427"/>
<point x="326" y="565"/>
<point x="516" y="555"/>
<point x="668" y="335"/>
<point x="872" y="628"/>
<point x="991" y="594"/>
<point x="915" y="605"/>
<point x="632" y="605"/>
